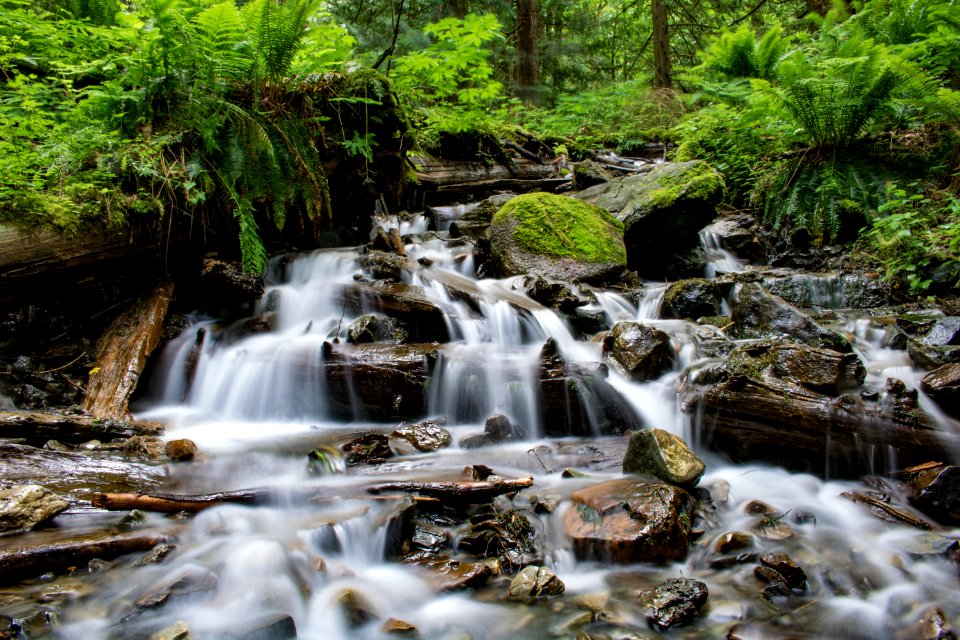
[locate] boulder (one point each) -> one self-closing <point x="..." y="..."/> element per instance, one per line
<point x="407" y="304"/>
<point x="664" y="455"/>
<point x="936" y="492"/>
<point x="507" y="535"/>
<point x="226" y="286"/>
<point x="662" y="212"/>
<point x="370" y="448"/>
<point x="374" y="328"/>
<point x="738" y="233"/>
<point x="641" y="352"/>
<point x="22" y="507"/>
<point x="381" y="265"/>
<point x="475" y="224"/>
<point x="759" y="315"/>
<point x="691" y="299"/>
<point x="451" y="575"/>
<point x="628" y="520"/>
<point x="181" y="450"/>
<point x="535" y="582"/>
<point x="558" y="237"/>
<point x="674" y="602"/>
<point x="939" y="345"/>
<point x="943" y="385"/>
<point x="588" y="173"/>
<point x="427" y="435"/>
<point x="496" y="429"/>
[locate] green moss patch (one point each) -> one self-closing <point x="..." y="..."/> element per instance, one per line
<point x="562" y="227"/>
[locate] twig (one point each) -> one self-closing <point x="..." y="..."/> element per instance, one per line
<point x="64" y="366"/>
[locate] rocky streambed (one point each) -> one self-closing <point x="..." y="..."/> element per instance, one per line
<point x="385" y="444"/>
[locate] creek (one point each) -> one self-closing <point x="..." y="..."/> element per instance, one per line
<point x="256" y="402"/>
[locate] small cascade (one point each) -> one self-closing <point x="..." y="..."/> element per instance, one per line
<point x="649" y="308"/>
<point x="719" y="259"/>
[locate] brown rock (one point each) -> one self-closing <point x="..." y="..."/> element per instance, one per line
<point x="943" y="385"/>
<point x="394" y="625"/>
<point x="452" y="575"/>
<point x="181" y="450"/>
<point x="641" y="352"/>
<point x="733" y="541"/>
<point x="626" y="521"/>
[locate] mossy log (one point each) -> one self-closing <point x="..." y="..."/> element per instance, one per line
<point x="25" y="562"/>
<point x="37" y="427"/>
<point x="122" y="353"/>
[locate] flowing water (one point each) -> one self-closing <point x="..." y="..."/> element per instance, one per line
<point x="257" y="403"/>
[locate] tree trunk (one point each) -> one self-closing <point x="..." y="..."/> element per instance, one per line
<point x="662" y="73"/>
<point x="455" y="8"/>
<point x="528" y="62"/>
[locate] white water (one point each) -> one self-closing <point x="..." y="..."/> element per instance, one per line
<point x="257" y="404"/>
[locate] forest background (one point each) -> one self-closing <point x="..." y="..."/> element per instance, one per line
<point x="835" y="122"/>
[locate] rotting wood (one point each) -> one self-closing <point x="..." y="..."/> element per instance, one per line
<point x="25" y="562"/>
<point x="122" y="353"/>
<point x="887" y="512"/>
<point x="173" y="503"/>
<point x="470" y="492"/>
<point x="37" y="427"/>
<point x="397" y="242"/>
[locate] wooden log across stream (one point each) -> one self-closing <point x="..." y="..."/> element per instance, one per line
<point x="173" y="503"/>
<point x="37" y="427"/>
<point x="471" y="492"/>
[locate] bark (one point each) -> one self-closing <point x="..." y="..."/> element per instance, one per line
<point x="37" y="427"/>
<point x="469" y="492"/>
<point x="528" y="60"/>
<point x="170" y="503"/>
<point x="25" y="562"/>
<point x="455" y="8"/>
<point x="123" y="352"/>
<point x="662" y="72"/>
<point x="886" y="511"/>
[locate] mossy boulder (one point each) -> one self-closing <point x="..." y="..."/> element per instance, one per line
<point x="693" y="298"/>
<point x="664" y="455"/>
<point x="559" y="238"/>
<point x="662" y="212"/>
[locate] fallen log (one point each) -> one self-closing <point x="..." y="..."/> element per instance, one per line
<point x="25" y="562"/>
<point x="173" y="503"/>
<point x="887" y="512"/>
<point x="470" y="492"/>
<point x="122" y="353"/>
<point x="37" y="427"/>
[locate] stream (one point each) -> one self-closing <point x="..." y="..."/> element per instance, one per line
<point x="319" y="560"/>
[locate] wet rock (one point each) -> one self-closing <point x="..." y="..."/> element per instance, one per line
<point x="23" y="507"/>
<point x="664" y="455"/>
<point x="662" y="212"/>
<point x="355" y="608"/>
<point x="725" y="562"/>
<point x="588" y="173"/>
<point x="558" y="295"/>
<point x="181" y="450"/>
<point x="674" y="602"/>
<point x="778" y="569"/>
<point x="132" y="520"/>
<point x="178" y="631"/>
<point x="156" y="555"/>
<point x="370" y="448"/>
<point x="452" y="575"/>
<point x="733" y="541"/>
<point x="545" y="504"/>
<point x="194" y="581"/>
<point x="426" y="435"/>
<point x="691" y="299"/>
<point x="558" y="237"/>
<point x="937" y="345"/>
<point x="428" y="536"/>
<point x="943" y="385"/>
<point x="395" y="625"/>
<point x="535" y="582"/>
<point x="738" y="233"/>
<point x="372" y="328"/>
<point x="626" y="521"/>
<point x="496" y="429"/>
<point x="475" y="224"/>
<point x="759" y="315"/>
<point x="381" y="265"/>
<point x="936" y="492"/>
<point x="932" y="624"/>
<point x="264" y="323"/>
<point x="27" y="396"/>
<point x="641" y="352"/>
<point x="147" y="447"/>
<point x="226" y="286"/>
<point x="507" y="535"/>
<point x="407" y="304"/>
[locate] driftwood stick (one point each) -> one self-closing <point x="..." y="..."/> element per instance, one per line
<point x="465" y="491"/>
<point x="38" y="427"/>
<point x="171" y="503"/>
<point x="25" y="562"/>
<point x="886" y="511"/>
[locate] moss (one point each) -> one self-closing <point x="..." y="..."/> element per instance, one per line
<point x="562" y="227"/>
<point x="698" y="182"/>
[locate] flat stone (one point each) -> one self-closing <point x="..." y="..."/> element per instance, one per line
<point x="22" y="507"/>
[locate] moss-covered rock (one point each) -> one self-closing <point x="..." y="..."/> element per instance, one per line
<point x="558" y="237"/>
<point x="662" y="212"/>
<point x="693" y="298"/>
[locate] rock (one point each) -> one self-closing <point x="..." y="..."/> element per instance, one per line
<point x="181" y="450"/>
<point x="588" y="173"/>
<point x="932" y="624"/>
<point x="558" y="295"/>
<point x="626" y="521"/>
<point x="641" y="352"/>
<point x="474" y="224"/>
<point x="372" y="328"/>
<point x="936" y="492"/>
<point x="355" y="608"/>
<point x="405" y="303"/>
<point x="559" y="238"/>
<point x="497" y="428"/>
<point x="535" y="582"/>
<point x="759" y="315"/>
<point x="664" y="455"/>
<point x="733" y="541"/>
<point x="156" y="555"/>
<point x="785" y="569"/>
<point x="936" y="343"/>
<point x="263" y="323"/>
<point x="426" y="435"/>
<point x="395" y="625"/>
<point x="370" y="448"/>
<point x="452" y="575"/>
<point x="226" y="286"/>
<point x="147" y="447"/>
<point x="506" y="535"/>
<point x="691" y="299"/>
<point x="674" y="602"/>
<point x="428" y="536"/>
<point x="23" y="507"/>
<point x="381" y="265"/>
<point x="178" y="631"/>
<point x="662" y="212"/>
<point x="738" y="233"/>
<point x="943" y="385"/>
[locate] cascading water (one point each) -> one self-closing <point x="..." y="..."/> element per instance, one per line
<point x="256" y="401"/>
